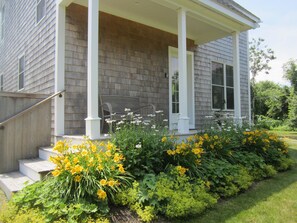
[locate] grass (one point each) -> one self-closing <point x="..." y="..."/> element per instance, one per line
<point x="272" y="201"/>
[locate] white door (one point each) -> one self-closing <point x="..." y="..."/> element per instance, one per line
<point x="174" y="88"/>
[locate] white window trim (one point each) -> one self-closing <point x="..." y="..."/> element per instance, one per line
<point x="1" y="82"/>
<point x="36" y="7"/>
<point x="23" y="55"/>
<point x="2" y="8"/>
<point x="224" y="86"/>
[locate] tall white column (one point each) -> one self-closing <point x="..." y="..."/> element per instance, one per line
<point x="183" y="121"/>
<point x="60" y="69"/>
<point x="236" y="73"/>
<point x="93" y="121"/>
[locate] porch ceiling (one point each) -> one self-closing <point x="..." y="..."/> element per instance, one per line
<point x="207" y="20"/>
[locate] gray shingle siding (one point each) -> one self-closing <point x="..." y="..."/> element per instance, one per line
<point x="133" y="60"/>
<point x="22" y="36"/>
<point x="219" y="51"/>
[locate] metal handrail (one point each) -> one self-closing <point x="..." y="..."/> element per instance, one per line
<point x="30" y="108"/>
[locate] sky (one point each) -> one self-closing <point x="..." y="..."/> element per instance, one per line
<point x="278" y="29"/>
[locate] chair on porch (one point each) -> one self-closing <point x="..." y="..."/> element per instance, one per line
<point x="112" y="107"/>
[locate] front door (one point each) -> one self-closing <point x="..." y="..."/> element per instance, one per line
<point x="174" y="88"/>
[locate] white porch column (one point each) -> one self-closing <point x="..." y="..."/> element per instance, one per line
<point x="236" y="70"/>
<point x="183" y="121"/>
<point x="60" y="69"/>
<point x="93" y="121"/>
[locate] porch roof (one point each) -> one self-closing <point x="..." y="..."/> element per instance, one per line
<point x="207" y="20"/>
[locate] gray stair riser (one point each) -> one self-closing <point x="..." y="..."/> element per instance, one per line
<point x="27" y="171"/>
<point x="45" y="154"/>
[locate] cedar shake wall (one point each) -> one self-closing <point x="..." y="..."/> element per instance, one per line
<point x="218" y="51"/>
<point x="22" y="36"/>
<point x="133" y="60"/>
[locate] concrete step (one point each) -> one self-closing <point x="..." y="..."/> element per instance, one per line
<point x="13" y="182"/>
<point x="46" y="152"/>
<point x="35" y="169"/>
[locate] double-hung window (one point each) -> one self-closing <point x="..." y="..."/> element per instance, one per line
<point x="2" y="19"/>
<point x="222" y="86"/>
<point x="40" y="10"/>
<point x="21" y="73"/>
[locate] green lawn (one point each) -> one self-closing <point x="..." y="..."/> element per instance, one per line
<point x="272" y="201"/>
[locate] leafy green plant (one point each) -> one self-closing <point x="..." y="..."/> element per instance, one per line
<point x="254" y="164"/>
<point x="224" y="178"/>
<point x="94" y="171"/>
<point x="143" y="149"/>
<point x="43" y="202"/>
<point x="170" y="194"/>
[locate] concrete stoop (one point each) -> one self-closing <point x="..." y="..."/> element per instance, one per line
<point x="30" y="171"/>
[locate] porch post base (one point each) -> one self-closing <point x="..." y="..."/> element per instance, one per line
<point x="93" y="128"/>
<point x="183" y="125"/>
<point x="238" y="121"/>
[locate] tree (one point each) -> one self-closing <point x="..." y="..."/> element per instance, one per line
<point x="271" y="100"/>
<point x="260" y="56"/>
<point x="290" y="73"/>
<point x="259" y="59"/>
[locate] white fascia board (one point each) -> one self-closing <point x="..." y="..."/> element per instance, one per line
<point x="227" y="12"/>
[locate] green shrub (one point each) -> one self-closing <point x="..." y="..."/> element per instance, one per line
<point x="143" y="149"/>
<point x="264" y="122"/>
<point x="224" y="178"/>
<point x="254" y="164"/>
<point x="172" y="195"/>
<point x="267" y="145"/>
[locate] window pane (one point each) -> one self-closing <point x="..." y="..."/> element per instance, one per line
<point x="21" y="64"/>
<point x="21" y="81"/>
<point x="230" y="98"/>
<point x="217" y="97"/>
<point x="40" y="10"/>
<point x="217" y="73"/>
<point x="229" y="76"/>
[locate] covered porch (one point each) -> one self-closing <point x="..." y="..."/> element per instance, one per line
<point x="194" y="22"/>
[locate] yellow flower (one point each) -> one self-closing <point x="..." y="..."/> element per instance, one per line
<point x="206" y="137"/>
<point x="181" y="170"/>
<point x="170" y="152"/>
<point x="117" y="157"/>
<point x="75" y="160"/>
<point x="67" y="166"/>
<point x="56" y="173"/>
<point x="76" y="169"/>
<point x="216" y="137"/>
<point x="100" y="167"/>
<point x="121" y="168"/>
<point x="212" y="146"/>
<point x="109" y="146"/>
<point x="84" y="152"/>
<point x="103" y="182"/>
<point x="197" y="151"/>
<point x="91" y="160"/>
<point x="93" y="148"/>
<point x="101" y="194"/>
<point x="111" y="183"/>
<point x="77" y="178"/>
<point x="190" y="138"/>
<point x="164" y="139"/>
<point x="108" y="153"/>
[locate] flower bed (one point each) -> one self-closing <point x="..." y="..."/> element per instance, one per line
<point x="151" y="173"/>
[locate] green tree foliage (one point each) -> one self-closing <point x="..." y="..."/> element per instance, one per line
<point x="290" y="73"/>
<point x="271" y="100"/>
<point x="260" y="56"/>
